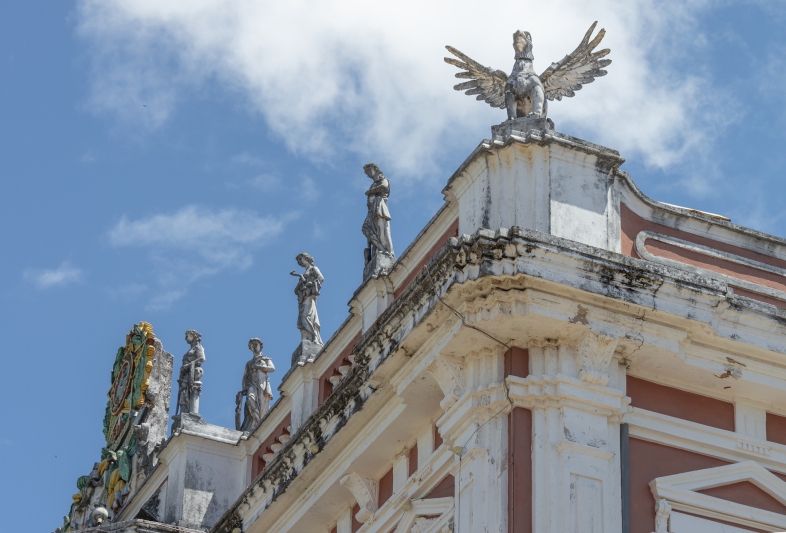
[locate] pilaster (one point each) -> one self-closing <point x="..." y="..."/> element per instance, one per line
<point x="575" y="428"/>
<point x="475" y="425"/>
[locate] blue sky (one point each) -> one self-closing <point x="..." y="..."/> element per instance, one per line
<point x="165" y="161"/>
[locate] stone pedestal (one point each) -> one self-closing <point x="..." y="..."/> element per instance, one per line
<point x="187" y="421"/>
<point x="306" y="352"/>
<point x="535" y="178"/>
<point x="520" y="127"/>
<point x="379" y="265"/>
<point x="206" y="472"/>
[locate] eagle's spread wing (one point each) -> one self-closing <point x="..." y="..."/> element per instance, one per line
<point x="488" y="84"/>
<point x="576" y="69"/>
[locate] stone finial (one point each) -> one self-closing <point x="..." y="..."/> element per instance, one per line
<point x="255" y="387"/>
<point x="379" y="255"/>
<point x="190" y="380"/>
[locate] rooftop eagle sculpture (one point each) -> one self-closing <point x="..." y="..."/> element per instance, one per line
<point x="524" y="93"/>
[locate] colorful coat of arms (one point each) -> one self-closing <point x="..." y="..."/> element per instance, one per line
<point x="103" y="492"/>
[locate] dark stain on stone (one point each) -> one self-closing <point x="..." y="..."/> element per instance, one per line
<point x="581" y="317"/>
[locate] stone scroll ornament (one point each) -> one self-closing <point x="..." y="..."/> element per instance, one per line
<point x="105" y="489"/>
<point x="523" y="93"/>
<point x="256" y="389"/>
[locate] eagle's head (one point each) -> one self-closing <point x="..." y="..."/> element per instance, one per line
<point x="522" y="44"/>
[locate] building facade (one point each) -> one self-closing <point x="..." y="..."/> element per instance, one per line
<point x="554" y="352"/>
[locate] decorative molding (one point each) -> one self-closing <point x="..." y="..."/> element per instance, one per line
<point x="583" y="449"/>
<point x="439" y="511"/>
<point x="595" y="351"/>
<point x="753" y="447"/>
<point x="716" y="254"/>
<point x="449" y="374"/>
<point x="365" y="491"/>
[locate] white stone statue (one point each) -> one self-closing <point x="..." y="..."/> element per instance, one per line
<point x="190" y="380"/>
<point x="307" y="289"/>
<point x="524" y="93"/>
<point x="376" y="226"/>
<point x="256" y="388"/>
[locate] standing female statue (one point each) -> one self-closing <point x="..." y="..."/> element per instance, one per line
<point x="307" y="289"/>
<point x="256" y="388"/>
<point x="189" y="383"/>
<point x="376" y="226"/>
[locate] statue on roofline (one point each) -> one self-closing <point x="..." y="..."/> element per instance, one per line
<point x="190" y="380"/>
<point x="307" y="289"/>
<point x="379" y="254"/>
<point x="256" y="388"/>
<point x="524" y="93"/>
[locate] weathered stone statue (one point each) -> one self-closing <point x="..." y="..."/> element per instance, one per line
<point x="256" y="388"/>
<point x="376" y="227"/>
<point x="524" y="93"/>
<point x="307" y="289"/>
<point x="190" y="380"/>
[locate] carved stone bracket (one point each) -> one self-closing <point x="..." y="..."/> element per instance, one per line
<point x="594" y="355"/>
<point x="365" y="492"/>
<point x="662" y="513"/>
<point x="449" y="373"/>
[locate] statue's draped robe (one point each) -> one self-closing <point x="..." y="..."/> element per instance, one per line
<point x="256" y="385"/>
<point x="307" y="291"/>
<point x="376" y="226"/>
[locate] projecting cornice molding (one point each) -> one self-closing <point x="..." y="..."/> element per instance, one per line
<point x="680" y="492"/>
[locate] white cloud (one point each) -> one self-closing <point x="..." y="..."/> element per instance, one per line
<point x="369" y="77"/>
<point x="195" y="242"/>
<point x="46" y="279"/>
<point x="244" y="158"/>
<point x="265" y="182"/>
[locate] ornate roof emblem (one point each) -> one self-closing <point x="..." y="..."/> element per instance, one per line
<point x="524" y="93"/>
<point x="130" y="378"/>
